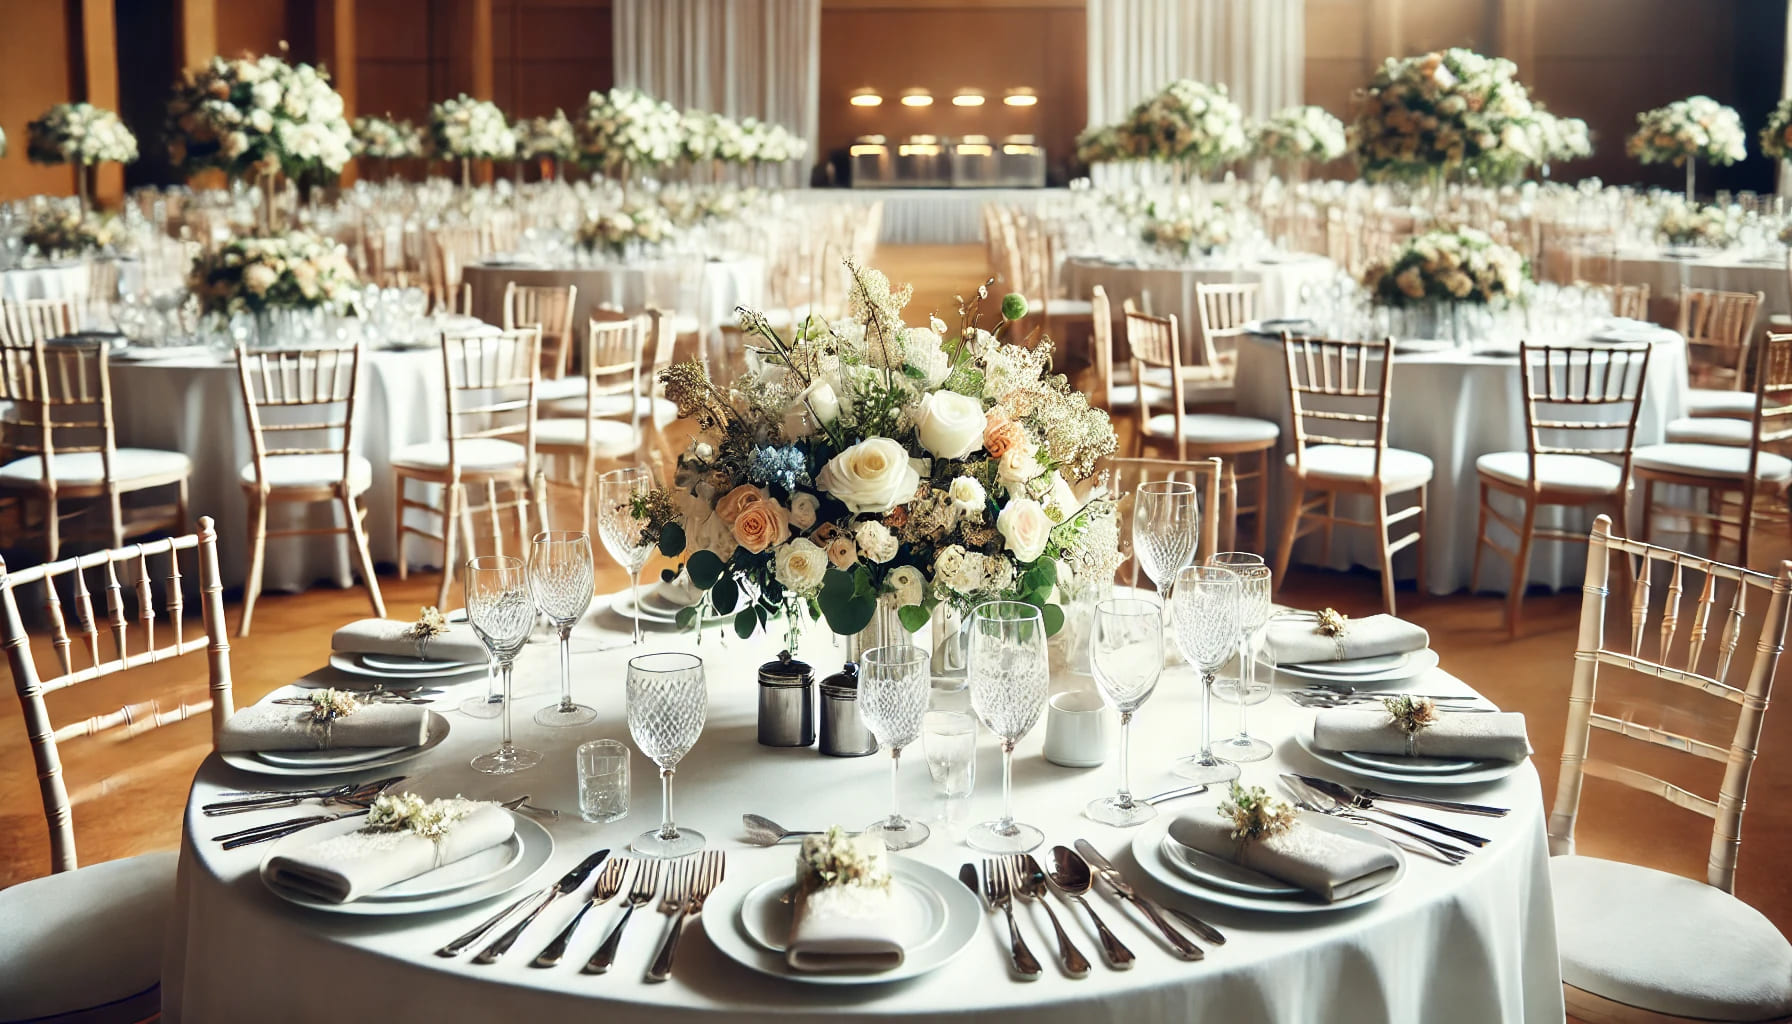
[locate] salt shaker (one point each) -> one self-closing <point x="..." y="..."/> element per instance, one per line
<point x="786" y="703"/>
<point x="843" y="731"/>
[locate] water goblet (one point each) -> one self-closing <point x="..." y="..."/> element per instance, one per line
<point x="1254" y="607"/>
<point x="1126" y="654"/>
<point x="621" y="529"/>
<point x="1165" y="528"/>
<point x="894" y="684"/>
<point x="1008" y="676"/>
<point x="1204" y="612"/>
<point x="560" y="576"/>
<point x="667" y="702"/>
<point x="949" y="739"/>
<point x="500" y="611"/>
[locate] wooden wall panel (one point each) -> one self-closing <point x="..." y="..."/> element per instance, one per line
<point x="36" y="73"/>
<point x="251" y="26"/>
<point x="550" y="54"/>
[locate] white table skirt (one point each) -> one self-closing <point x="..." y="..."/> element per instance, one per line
<point x="1667" y="276"/>
<point x="1454" y="407"/>
<point x="1163" y="291"/>
<point x="632" y="288"/>
<point x="62" y="279"/>
<point x="940" y="216"/>
<point x="1468" y="944"/>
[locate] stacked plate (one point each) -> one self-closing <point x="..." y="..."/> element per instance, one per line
<point x="1425" y="771"/>
<point x="1386" y="670"/>
<point x="394" y="670"/>
<point x="332" y="762"/>
<point x="1217" y="880"/>
<point x="660" y="605"/>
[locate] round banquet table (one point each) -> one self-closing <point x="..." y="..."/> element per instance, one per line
<point x="61" y="279"/>
<point x="1455" y="406"/>
<point x="1162" y="291"/>
<point x="1722" y="270"/>
<point x="1466" y="944"/>
<point x="669" y="284"/>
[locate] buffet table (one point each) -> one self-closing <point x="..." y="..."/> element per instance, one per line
<point x="1471" y="943"/>
<point x="1165" y="291"/>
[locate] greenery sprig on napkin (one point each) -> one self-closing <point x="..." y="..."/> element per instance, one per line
<point x="1255" y="814"/>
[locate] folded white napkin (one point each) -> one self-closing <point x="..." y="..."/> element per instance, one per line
<point x="1297" y="641"/>
<point x="291" y="727"/>
<point x="1499" y="735"/>
<point x="1326" y="864"/>
<point x="844" y="928"/>
<point x="344" y="868"/>
<point x="387" y="636"/>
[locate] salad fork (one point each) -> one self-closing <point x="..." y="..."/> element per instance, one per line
<point x="996" y="893"/>
<point x="647" y="880"/>
<point x="609" y="883"/>
<point x="704" y="875"/>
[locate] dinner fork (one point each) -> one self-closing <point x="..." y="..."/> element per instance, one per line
<point x="236" y="803"/>
<point x="1308" y="799"/>
<point x="996" y="893"/>
<point x="647" y="880"/>
<point x="609" y="883"/>
<point x="704" y="876"/>
<point x="1029" y="885"/>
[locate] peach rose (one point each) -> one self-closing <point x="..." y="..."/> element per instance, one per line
<point x="736" y="501"/>
<point x="761" y="524"/>
<point x="1000" y="433"/>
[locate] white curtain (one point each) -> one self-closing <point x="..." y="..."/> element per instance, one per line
<point x="1257" y="48"/>
<point x="743" y="58"/>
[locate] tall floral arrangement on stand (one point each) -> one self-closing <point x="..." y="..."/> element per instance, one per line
<point x="1300" y="135"/>
<point x="625" y="130"/>
<point x="1776" y="135"/>
<point x="466" y="129"/>
<point x="80" y="134"/>
<point x="547" y="138"/>
<point x="1445" y="115"/>
<point x="1191" y="124"/>
<point x="385" y="139"/>
<point x="1687" y="131"/>
<point x="864" y="463"/>
<point x="1564" y="138"/>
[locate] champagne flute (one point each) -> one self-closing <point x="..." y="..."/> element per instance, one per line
<point x="1165" y="529"/>
<point x="621" y="531"/>
<point x="667" y="702"/>
<point x="1008" y="677"/>
<point x="1254" y="606"/>
<point x="894" y="684"/>
<point x="1126" y="656"/>
<point x="1204" y="611"/>
<point x="560" y="576"/>
<point x="501" y="613"/>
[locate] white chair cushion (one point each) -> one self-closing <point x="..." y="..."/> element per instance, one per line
<point x="1400" y="469"/>
<point x="1713" y="402"/>
<point x="312" y="471"/>
<point x="474" y="452"/>
<point x="558" y="389"/>
<point x="1128" y="395"/>
<point x="1665" y="943"/>
<point x="1580" y="473"/>
<point x="1064" y="307"/>
<point x="1711" y="430"/>
<point x="616" y="407"/>
<point x="83" y="939"/>
<point x="1717" y="461"/>
<point x="128" y="464"/>
<point x="608" y="437"/>
<point x="1213" y="427"/>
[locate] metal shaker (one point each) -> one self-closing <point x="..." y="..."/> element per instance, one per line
<point x="786" y="703"/>
<point x="843" y="730"/>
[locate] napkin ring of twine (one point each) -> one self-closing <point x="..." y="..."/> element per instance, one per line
<point x="408" y="812"/>
<point x="1411" y="715"/>
<point x="1254" y="815"/>
<point x="1335" y="624"/>
<point x="326" y="707"/>
<point x="430" y="624"/>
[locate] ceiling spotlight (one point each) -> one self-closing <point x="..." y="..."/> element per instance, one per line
<point x="968" y="99"/>
<point x="865" y="98"/>
<point x="917" y="98"/>
<point x="1021" y="98"/>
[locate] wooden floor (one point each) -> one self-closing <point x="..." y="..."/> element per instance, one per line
<point x="128" y="794"/>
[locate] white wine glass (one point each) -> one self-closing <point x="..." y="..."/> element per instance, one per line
<point x="622" y="531"/>
<point x="667" y="703"/>
<point x="1008" y="678"/>
<point x="501" y="613"/>
<point x="560" y="577"/>
<point x="1204" y="612"/>
<point x="894" y="684"/>
<point x="1166" y="526"/>
<point x="1126" y="656"/>
<point x="1254" y="606"/>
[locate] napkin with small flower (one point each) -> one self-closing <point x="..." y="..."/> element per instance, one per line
<point x="334" y="720"/>
<point x="404" y="836"/>
<point x="1417" y="728"/>
<point x="429" y="637"/>
<point x="1329" y="636"/>
<point x="1257" y="832"/>
<point x="844" y="918"/>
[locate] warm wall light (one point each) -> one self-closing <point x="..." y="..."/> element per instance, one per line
<point x="968" y="99"/>
<point x="865" y="98"/>
<point x="1020" y="98"/>
<point x="917" y="98"/>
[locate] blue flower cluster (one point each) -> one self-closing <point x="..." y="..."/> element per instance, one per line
<point x="785" y="467"/>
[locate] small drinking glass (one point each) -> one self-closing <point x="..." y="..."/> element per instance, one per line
<point x="667" y="703"/>
<point x="949" y="739"/>
<point x="1166" y="522"/>
<point x="560" y="576"/>
<point x="894" y="684"/>
<point x="603" y="780"/>
<point x="1254" y="606"/>
<point x="621" y="530"/>
<point x="1008" y="677"/>
<point x="1126" y="653"/>
<point x="501" y="613"/>
<point x="1204" y="611"/>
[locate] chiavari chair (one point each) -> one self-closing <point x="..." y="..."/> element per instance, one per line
<point x="549" y="307"/>
<point x="1338" y="392"/>
<point x="1217" y="497"/>
<point x="1718" y="327"/>
<point x="25" y="321"/>
<point x="1637" y="942"/>
<point x="1580" y="413"/>
<point x="611" y="427"/>
<point x="85" y="942"/>
<point x="314" y="461"/>
<point x="1223" y="311"/>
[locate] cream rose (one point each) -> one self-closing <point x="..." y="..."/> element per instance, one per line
<point x="1018" y="465"/>
<point x="949" y="425"/>
<point x="843" y="552"/>
<point x="876" y="542"/>
<point x="803" y="507"/>
<point x="872" y="476"/>
<point x="761" y="525"/>
<point x="958" y="570"/>
<point x="967" y="496"/>
<point x="259" y="278"/>
<point x="1025" y="528"/>
<point x="904" y="586"/>
<point x="800" y="565"/>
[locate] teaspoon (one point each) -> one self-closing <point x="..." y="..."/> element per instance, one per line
<point x="762" y="831"/>
<point x="1070" y="875"/>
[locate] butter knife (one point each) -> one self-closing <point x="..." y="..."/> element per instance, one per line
<point x="1485" y="810"/>
<point x="1179" y="942"/>
<point x="567" y="883"/>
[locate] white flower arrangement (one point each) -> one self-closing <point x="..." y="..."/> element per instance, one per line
<point x="1710" y="226"/>
<point x="628" y="128"/>
<point x="1564" y="138"/>
<point x="464" y="128"/>
<point x="258" y="115"/>
<point x="1190" y="122"/>
<point x="1461" y="265"/>
<point x="295" y="271"/>
<point x="550" y="137"/>
<point x="618" y="230"/>
<point x="382" y="138"/>
<point x="1187" y="228"/>
<point x="1695" y="128"/>
<point x="63" y="231"/>
<point x="78" y="133"/>
<point x="688" y="206"/>
<point x="1445" y="112"/>
<point x="1776" y="135"/>
<point x="1104" y="143"/>
<point x="1301" y="133"/>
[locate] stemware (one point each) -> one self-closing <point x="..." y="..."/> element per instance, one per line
<point x="489" y="704"/>
<point x="560" y="576"/>
<point x="1204" y="611"/>
<point x="501" y="613"/>
<point x="1254" y="607"/>
<point x="1126" y="655"/>
<point x="894" y="683"/>
<point x="1008" y="676"/>
<point x="667" y="702"/>
<point x="1165" y="528"/>
<point x="621" y="530"/>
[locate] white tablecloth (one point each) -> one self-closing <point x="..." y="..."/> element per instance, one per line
<point x="1667" y="276"/>
<point x="65" y="278"/>
<point x="1171" y="290"/>
<point x="1467" y="944"/>
<point x="632" y="288"/>
<point x="1455" y="407"/>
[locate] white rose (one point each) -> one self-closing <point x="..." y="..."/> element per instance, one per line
<point x="875" y="541"/>
<point x="904" y="586"/>
<point x="824" y="403"/>
<point x="967" y="496"/>
<point x="800" y="565"/>
<point x="1018" y="465"/>
<point x="259" y="278"/>
<point x="949" y="425"/>
<point x="803" y="507"/>
<point x="872" y="476"/>
<point x="958" y="570"/>
<point x="1025" y="527"/>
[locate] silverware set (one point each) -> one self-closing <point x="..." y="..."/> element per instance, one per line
<point x="1348" y="803"/>
<point x="374" y="697"/>
<point x="235" y="803"/>
<point x="1329" y="697"/>
<point x="361" y="799"/>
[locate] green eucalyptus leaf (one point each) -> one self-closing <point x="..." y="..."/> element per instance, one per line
<point x="667" y="575"/>
<point x="687" y="617"/>
<point x="672" y="540"/>
<point x="913" y="617"/>
<point x="1054" y="618"/>
<point x="845" y="610"/>
<point x="745" y="623"/>
<point x="725" y="595"/>
<point x="705" y="568"/>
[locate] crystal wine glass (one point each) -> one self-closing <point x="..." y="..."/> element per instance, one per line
<point x="501" y="613"/>
<point x="1204" y="611"/>
<point x="1008" y="676"/>
<point x="667" y="702"/>
<point x="1126" y="655"/>
<point x="560" y="576"/>
<point x="894" y="683"/>
<point x="621" y="530"/>
<point x="489" y="704"/>
<point x="1254" y="605"/>
<point x="1165" y="527"/>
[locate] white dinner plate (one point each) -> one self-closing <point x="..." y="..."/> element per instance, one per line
<point x="1353" y="667"/>
<point x="1492" y="772"/>
<point x="1219" y="873"/>
<point x="1150" y="847"/>
<point x="1403" y="765"/>
<point x="919" y="912"/>
<point x="411" y="666"/>
<point x="538" y="849"/>
<point x="356" y="665"/>
<point x="624" y="605"/>
<point x="464" y="873"/>
<point x="961" y="918"/>
<point x="1417" y="664"/>
<point x="252" y="763"/>
<point x="333" y="758"/>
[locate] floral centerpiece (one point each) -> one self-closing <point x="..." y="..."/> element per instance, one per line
<point x="1710" y="226"/>
<point x="383" y="138"/>
<point x="62" y="232"/>
<point x="1192" y="123"/>
<point x="467" y="129"/>
<point x="1443" y="114"/>
<point x="1460" y="265"/>
<point x="690" y="206"/>
<point x="864" y="464"/>
<point x="1564" y="138"/>
<point x="1687" y="131"/>
<point x="620" y="230"/>
<point x="1300" y="134"/>
<point x="776" y="143"/>
<point x="1776" y="135"/>
<point x="80" y="134"/>
<point x="255" y="117"/>
<point x="1103" y="143"/>
<point x="627" y="129"/>
<point x="1186" y="229"/>
<point x="549" y="138"/>
<point x="254" y="275"/>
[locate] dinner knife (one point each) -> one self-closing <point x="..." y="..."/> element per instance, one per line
<point x="567" y="883"/>
<point x="258" y="801"/>
<point x="1111" y="875"/>
<point x="1173" y="794"/>
<point x="1485" y="810"/>
<point x="1350" y="798"/>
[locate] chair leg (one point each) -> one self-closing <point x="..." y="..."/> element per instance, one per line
<point x="1648" y="524"/>
<point x="1297" y="493"/>
<point x="468" y="536"/>
<point x="1418" y="546"/>
<point x="398" y="513"/>
<point x="1331" y="515"/>
<point x="52" y="527"/>
<point x="1521" y="566"/>
<point x="181" y="504"/>
<point x="1261" y="502"/>
<point x="1474" y="577"/>
<point x="115" y="509"/>
<point x="1387" y="557"/>
<point x="258" y="549"/>
<point x="451" y="515"/>
<point x="357" y="538"/>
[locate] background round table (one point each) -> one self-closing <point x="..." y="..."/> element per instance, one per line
<point x="675" y="285"/>
<point x="1468" y="944"/>
<point x="1726" y="271"/>
<point x="1162" y="291"/>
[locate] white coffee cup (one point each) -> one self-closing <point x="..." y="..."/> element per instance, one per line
<point x="1077" y="730"/>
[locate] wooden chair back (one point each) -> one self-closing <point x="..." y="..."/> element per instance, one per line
<point x="1224" y="311"/>
<point x="491" y="380"/>
<point x="121" y="576"/>
<point x="1773" y="398"/>
<point x="614" y="347"/>
<point x="1582" y="400"/>
<point x="1338" y="393"/>
<point x="1155" y="343"/>
<point x="1631" y="301"/>
<point x="451" y="248"/>
<point x="32" y="320"/>
<point x="549" y="308"/>
<point x="319" y="384"/>
<point x="1721" y="598"/>
<point x="1217" y="494"/>
<point x="62" y="404"/>
<point x="1718" y="327"/>
<point x="1101" y="334"/>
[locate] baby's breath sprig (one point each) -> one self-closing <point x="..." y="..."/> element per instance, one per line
<point x="1411" y="713"/>
<point x="328" y="705"/>
<point x="1255" y="814"/>
<point x="840" y="858"/>
<point x="404" y="812"/>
